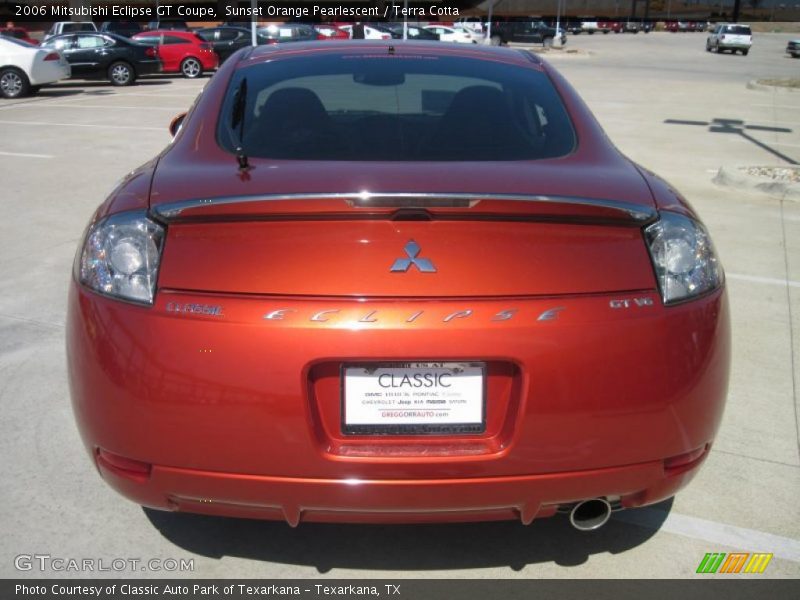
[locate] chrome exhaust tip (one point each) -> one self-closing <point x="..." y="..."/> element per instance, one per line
<point x="590" y="514"/>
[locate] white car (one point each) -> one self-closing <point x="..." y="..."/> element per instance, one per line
<point x="730" y="36"/>
<point x="370" y="33"/>
<point x="472" y="23"/>
<point x="23" y="68"/>
<point x="453" y="34"/>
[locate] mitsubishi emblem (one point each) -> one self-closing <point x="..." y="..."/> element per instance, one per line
<point x="401" y="265"/>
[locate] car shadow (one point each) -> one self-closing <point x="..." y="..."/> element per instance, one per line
<point x="404" y="547"/>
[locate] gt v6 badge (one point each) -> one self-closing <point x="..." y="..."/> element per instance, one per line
<point x="628" y="302"/>
<point x="412" y="249"/>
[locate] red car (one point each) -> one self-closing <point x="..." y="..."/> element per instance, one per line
<point x="328" y="300"/>
<point x="181" y="52"/>
<point x="327" y="32"/>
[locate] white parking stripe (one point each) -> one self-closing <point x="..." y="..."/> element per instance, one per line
<point x="25" y="155"/>
<point x="765" y="280"/>
<point x="777" y="106"/>
<point x="134" y="127"/>
<point x="154" y="95"/>
<point x="145" y="108"/>
<point x="713" y="532"/>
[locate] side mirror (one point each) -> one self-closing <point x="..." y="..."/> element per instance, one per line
<point x="176" y="123"/>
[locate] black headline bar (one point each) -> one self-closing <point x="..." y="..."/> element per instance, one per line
<point x="739" y="588"/>
<point x="196" y="11"/>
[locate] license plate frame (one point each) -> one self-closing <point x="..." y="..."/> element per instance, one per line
<point x="471" y="427"/>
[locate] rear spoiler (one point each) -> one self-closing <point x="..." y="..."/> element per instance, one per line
<point x="384" y="205"/>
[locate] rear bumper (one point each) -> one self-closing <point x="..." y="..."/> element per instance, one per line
<point x="735" y="45"/>
<point x="148" y="67"/>
<point x="50" y="72"/>
<point x="240" y="415"/>
<point x="355" y="500"/>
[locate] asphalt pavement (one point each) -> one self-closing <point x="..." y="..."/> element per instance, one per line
<point x="668" y="104"/>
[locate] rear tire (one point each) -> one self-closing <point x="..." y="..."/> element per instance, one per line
<point x="14" y="83"/>
<point x="191" y="68"/>
<point x="121" y="74"/>
<point x="744" y="52"/>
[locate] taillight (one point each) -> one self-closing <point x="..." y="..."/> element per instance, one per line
<point x="386" y="36"/>
<point x="52" y="56"/>
<point x="151" y="52"/>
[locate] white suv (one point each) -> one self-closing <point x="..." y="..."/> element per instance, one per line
<point x="730" y="36"/>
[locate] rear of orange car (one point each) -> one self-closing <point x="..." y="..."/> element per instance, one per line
<point x="310" y="309"/>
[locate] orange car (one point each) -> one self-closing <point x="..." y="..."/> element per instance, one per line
<point x="330" y="300"/>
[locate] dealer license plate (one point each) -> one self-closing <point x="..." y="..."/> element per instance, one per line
<point x="414" y="398"/>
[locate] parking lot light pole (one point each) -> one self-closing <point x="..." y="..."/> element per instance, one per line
<point x="488" y="38"/>
<point x="253" y="22"/>
<point x="557" y="39"/>
<point x="405" y="19"/>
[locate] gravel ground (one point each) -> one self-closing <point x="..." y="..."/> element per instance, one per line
<point x="787" y="174"/>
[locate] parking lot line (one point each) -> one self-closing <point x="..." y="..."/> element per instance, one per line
<point x="169" y="108"/>
<point x="713" y="532"/>
<point x="155" y="95"/>
<point x="134" y="127"/>
<point x="26" y="155"/>
<point x="777" y="106"/>
<point x="764" y="280"/>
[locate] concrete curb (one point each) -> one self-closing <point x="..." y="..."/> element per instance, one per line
<point x="734" y="178"/>
<point x="754" y="85"/>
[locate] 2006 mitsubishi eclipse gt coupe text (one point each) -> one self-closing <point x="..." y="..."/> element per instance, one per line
<point x="396" y="282"/>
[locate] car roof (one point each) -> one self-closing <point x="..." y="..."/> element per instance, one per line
<point x="221" y="27"/>
<point x="94" y="33"/>
<point x="401" y="47"/>
<point x="14" y="43"/>
<point x="189" y="35"/>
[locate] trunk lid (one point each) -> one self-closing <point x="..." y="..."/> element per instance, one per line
<point x="430" y="240"/>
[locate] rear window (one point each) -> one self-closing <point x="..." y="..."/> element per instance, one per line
<point x="394" y="108"/>
<point x="174" y="39"/>
<point x="736" y="30"/>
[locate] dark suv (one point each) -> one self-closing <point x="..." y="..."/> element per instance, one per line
<point x="524" y="32"/>
<point x="124" y="28"/>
